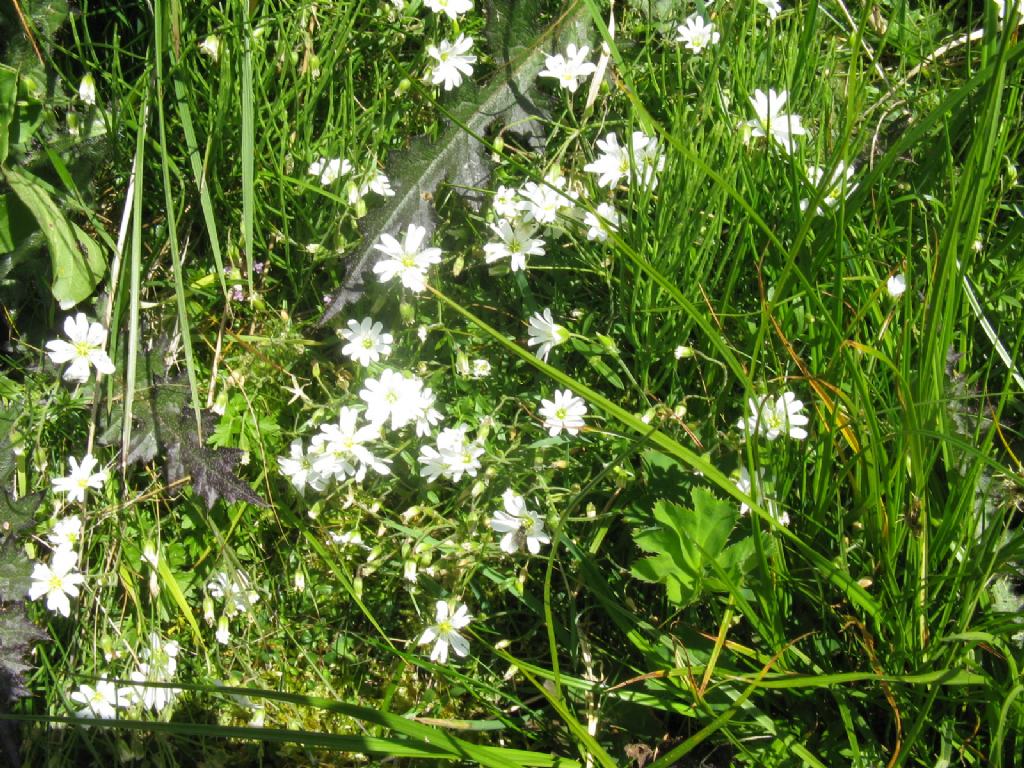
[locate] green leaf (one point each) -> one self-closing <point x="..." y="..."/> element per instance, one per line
<point x="18" y="635"/>
<point x="685" y="542"/>
<point x="459" y="157"/>
<point x="164" y="422"/>
<point x="78" y="263"/>
<point x="8" y="101"/>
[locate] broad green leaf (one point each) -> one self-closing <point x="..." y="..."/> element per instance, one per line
<point x="685" y="542"/>
<point x="8" y="100"/>
<point x="77" y="261"/>
<point x="15" y="223"/>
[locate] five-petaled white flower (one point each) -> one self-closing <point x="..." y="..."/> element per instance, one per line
<point x="445" y="632"/>
<point x="568" y="69"/>
<point x="605" y="220"/>
<point x="641" y="161"/>
<point x="517" y="242"/>
<point x="366" y="341"/>
<point x="771" y="121"/>
<point x="566" y="412"/>
<point x="697" y="34"/>
<point x="392" y="396"/>
<point x="896" y="285"/>
<point x="542" y="203"/>
<point x="451" y="8"/>
<point x="65" y="533"/>
<point x="298" y="468"/>
<point x="58" y="581"/>
<point x="453" y="61"/>
<point x="546" y="332"/>
<point x="81" y="478"/>
<point x="100" y="701"/>
<point x="520" y="525"/>
<point x="84" y="349"/>
<point x="773" y="419"/>
<point x="839" y="186"/>
<point x="409" y="262"/>
<point x="330" y="169"/>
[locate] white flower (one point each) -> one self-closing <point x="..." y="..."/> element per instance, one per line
<point x="505" y="203"/>
<point x="742" y="482"/>
<point x="100" y="701"/>
<point x="519" y="524"/>
<point x="517" y="242"/>
<point x="234" y="591"/>
<point x="392" y="396"/>
<point x="481" y="368"/>
<point x="445" y="632"/>
<point x="58" y="581"/>
<point x="642" y="161"/>
<point x="600" y="224"/>
<point x="1004" y="8"/>
<point x="408" y="261"/>
<point x="87" y="90"/>
<point x="84" y="349"/>
<point x="568" y="69"/>
<point x="566" y="412"/>
<point x="329" y="170"/>
<point x="211" y="47"/>
<point x="454" y="456"/>
<point x="546" y="332"/>
<point x="366" y="342"/>
<point x="223" y="633"/>
<point x="452" y="8"/>
<point x="426" y="416"/>
<point x="896" y="285"/>
<point x="298" y="468"/>
<point x="697" y="34"/>
<point x="772" y="122"/>
<point x="542" y="202"/>
<point x="81" y="478"/>
<point x="452" y="62"/>
<point x="783" y="417"/>
<point x="66" y="533"/>
<point x="772" y="6"/>
<point x="340" y="451"/>
<point x="158" y="665"/>
<point x="839" y="186"/>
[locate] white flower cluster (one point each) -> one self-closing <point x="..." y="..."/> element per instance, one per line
<point x="238" y="597"/>
<point x="455" y="455"/>
<point x="637" y="162"/>
<point x="773" y="419"/>
<point x="157" y="664"/>
<point x="329" y="169"/>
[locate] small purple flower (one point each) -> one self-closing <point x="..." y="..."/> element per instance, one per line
<point x="237" y="294"/>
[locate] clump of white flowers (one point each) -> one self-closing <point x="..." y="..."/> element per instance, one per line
<point x="452" y="456"/>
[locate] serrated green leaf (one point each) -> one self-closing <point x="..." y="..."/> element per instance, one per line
<point x="16" y="515"/>
<point x="15" y="573"/>
<point x="163" y="422"/>
<point x="77" y="260"/>
<point x="684" y="543"/>
<point x="17" y="637"/>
